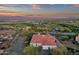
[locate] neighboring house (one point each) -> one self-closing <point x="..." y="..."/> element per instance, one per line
<point x="45" y="41"/>
<point x="64" y="33"/>
<point x="77" y="38"/>
<point x="26" y="28"/>
<point x="56" y="31"/>
<point x="68" y="33"/>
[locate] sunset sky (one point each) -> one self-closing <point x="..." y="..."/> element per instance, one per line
<point x="39" y="10"/>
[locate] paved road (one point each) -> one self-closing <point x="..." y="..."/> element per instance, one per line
<point x="17" y="46"/>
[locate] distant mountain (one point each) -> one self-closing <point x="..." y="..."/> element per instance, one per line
<point x="25" y="18"/>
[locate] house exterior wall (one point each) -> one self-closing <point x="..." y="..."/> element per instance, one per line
<point x="35" y="44"/>
<point x="46" y="47"/>
<point x="77" y="38"/>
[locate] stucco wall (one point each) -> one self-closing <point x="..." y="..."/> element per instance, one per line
<point x="45" y="47"/>
<point x="48" y="47"/>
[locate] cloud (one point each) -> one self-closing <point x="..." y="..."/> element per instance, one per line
<point x="3" y="8"/>
<point x="35" y="6"/>
<point x="12" y="14"/>
<point x="38" y="14"/>
<point x="76" y="5"/>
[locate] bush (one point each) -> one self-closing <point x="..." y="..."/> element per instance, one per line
<point x="32" y="50"/>
<point x="59" y="51"/>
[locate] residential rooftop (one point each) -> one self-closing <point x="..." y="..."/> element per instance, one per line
<point x="43" y="39"/>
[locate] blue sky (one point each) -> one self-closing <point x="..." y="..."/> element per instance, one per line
<point x="40" y="9"/>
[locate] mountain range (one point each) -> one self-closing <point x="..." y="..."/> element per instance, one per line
<point x="25" y="18"/>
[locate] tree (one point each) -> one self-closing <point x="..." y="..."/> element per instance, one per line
<point x="27" y="36"/>
<point x="66" y="37"/>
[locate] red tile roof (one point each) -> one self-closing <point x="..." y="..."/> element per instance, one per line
<point x="44" y="39"/>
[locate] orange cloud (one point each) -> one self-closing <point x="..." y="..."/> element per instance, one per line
<point x="35" y="6"/>
<point x="38" y="14"/>
<point x="12" y="14"/>
<point x="56" y="14"/>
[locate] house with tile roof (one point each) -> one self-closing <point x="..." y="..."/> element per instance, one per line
<point x="45" y="41"/>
